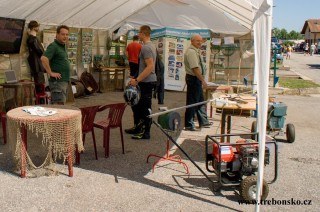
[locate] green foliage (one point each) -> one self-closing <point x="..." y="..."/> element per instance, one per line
<point x="287" y="43"/>
<point x="284" y="35"/>
<point x="297" y="83"/>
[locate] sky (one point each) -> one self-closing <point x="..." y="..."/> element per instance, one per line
<point x="291" y="14"/>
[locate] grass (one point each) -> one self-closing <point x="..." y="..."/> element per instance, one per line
<point x="297" y="83"/>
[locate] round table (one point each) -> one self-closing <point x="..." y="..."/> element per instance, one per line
<point x="61" y="131"/>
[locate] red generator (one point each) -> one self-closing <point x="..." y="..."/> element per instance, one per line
<point x="236" y="164"/>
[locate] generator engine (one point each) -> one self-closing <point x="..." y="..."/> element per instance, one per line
<point x="238" y="161"/>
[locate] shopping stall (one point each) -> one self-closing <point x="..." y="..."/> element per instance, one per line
<point x="223" y="16"/>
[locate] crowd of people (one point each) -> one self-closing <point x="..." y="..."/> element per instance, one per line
<point x="54" y="61"/>
<point x="285" y="51"/>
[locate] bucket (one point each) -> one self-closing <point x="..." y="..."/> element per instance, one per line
<point x="79" y="89"/>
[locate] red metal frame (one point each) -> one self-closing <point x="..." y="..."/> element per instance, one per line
<point x="173" y="158"/>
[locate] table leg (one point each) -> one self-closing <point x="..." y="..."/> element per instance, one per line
<point x="100" y="75"/>
<point x="70" y="152"/>
<point x="116" y="72"/>
<point x="23" y="150"/>
<point x="223" y="125"/>
<point x="228" y="128"/>
<point x="123" y="79"/>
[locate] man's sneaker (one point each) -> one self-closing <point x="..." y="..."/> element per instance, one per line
<point x="141" y="136"/>
<point x="207" y="125"/>
<point x="190" y="129"/>
<point x="133" y="130"/>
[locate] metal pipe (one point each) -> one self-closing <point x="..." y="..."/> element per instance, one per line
<point x="179" y="108"/>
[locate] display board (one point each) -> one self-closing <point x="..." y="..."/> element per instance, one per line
<point x="72" y="47"/>
<point x="48" y="37"/>
<point x="87" y="36"/>
<point x="172" y="44"/>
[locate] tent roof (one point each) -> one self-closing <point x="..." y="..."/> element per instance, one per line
<point x="221" y="16"/>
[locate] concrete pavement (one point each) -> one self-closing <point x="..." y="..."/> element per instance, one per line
<point x="299" y="66"/>
<point x="125" y="182"/>
<point x="306" y="66"/>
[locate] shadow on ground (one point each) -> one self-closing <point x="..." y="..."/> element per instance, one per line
<point x="132" y="165"/>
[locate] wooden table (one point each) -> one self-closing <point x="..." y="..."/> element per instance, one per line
<point x="246" y="104"/>
<point x="214" y="88"/>
<point x="112" y="74"/>
<point x="62" y="131"/>
<point x="23" y="92"/>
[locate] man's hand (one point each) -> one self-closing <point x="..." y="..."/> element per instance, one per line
<point x="133" y="82"/>
<point x="46" y="65"/>
<point x="55" y="75"/>
<point x="204" y="84"/>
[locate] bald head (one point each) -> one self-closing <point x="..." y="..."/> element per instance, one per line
<point x="196" y="40"/>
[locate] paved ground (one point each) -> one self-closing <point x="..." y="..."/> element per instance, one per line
<point x="305" y="65"/>
<point x="126" y="182"/>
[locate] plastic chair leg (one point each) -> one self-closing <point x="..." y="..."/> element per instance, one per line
<point x="106" y="141"/>
<point x="94" y="144"/>
<point x="122" y="139"/>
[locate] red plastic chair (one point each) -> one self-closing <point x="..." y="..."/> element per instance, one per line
<point x="39" y="91"/>
<point x="4" y="126"/>
<point x="113" y="120"/>
<point x="88" y="115"/>
<point x="42" y="94"/>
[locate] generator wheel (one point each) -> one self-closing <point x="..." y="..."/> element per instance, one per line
<point x="248" y="188"/>
<point x="253" y="129"/>
<point x="290" y="132"/>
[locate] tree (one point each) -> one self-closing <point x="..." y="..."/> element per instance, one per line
<point x="276" y="32"/>
<point x="284" y="35"/>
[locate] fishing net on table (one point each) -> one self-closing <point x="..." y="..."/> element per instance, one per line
<point x="60" y="134"/>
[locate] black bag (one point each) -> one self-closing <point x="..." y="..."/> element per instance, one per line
<point x="159" y="69"/>
<point x="159" y="88"/>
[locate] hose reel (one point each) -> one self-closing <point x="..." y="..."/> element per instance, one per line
<point x="170" y="121"/>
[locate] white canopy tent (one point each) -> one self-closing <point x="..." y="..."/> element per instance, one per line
<point x="220" y="16"/>
<point x="223" y="16"/>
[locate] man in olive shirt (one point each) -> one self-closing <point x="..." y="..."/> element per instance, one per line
<point x="195" y="83"/>
<point x="55" y="61"/>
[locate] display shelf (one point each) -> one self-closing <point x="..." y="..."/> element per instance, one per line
<point x="225" y="63"/>
<point x="116" y="52"/>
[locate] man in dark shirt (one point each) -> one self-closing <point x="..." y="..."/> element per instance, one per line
<point x="55" y="61"/>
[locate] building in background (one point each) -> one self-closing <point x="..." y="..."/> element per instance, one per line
<point x="311" y="31"/>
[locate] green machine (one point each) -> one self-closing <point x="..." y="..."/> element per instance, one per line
<point x="277" y="112"/>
